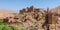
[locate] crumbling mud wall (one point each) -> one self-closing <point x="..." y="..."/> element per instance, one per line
<point x="33" y="18"/>
<point x="36" y="18"/>
<point x="54" y="17"/>
<point x="50" y="19"/>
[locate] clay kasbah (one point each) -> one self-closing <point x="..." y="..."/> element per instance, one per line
<point x="33" y="18"/>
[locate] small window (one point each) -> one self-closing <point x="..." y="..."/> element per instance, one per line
<point x="57" y="15"/>
<point x="16" y="18"/>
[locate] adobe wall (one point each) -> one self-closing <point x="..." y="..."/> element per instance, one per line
<point x="29" y="9"/>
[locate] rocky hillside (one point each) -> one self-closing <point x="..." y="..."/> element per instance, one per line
<point x="32" y="18"/>
<point x="39" y="19"/>
<point x="35" y="18"/>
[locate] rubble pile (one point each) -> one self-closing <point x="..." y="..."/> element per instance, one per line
<point x="55" y="17"/>
<point x="36" y="18"/>
<point x="32" y="18"/>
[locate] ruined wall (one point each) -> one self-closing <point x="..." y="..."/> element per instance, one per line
<point x="33" y="19"/>
<point x="38" y="19"/>
<point x="27" y="9"/>
<point x="54" y="18"/>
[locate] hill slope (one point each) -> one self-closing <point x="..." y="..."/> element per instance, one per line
<point x="5" y="13"/>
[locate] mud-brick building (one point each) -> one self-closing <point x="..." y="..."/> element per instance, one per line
<point x="54" y="18"/>
<point x="27" y="9"/>
<point x="31" y="9"/>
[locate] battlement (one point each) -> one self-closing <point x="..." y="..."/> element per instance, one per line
<point x="30" y="9"/>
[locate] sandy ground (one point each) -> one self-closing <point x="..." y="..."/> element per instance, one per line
<point x="5" y="13"/>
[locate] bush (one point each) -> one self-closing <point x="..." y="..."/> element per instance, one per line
<point x="14" y="28"/>
<point x="18" y="28"/>
<point x="1" y="26"/>
<point x="21" y="28"/>
<point x="1" y="21"/>
<point x="7" y="27"/>
<point x="4" y="26"/>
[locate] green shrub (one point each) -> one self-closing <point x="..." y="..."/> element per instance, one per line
<point x="7" y="28"/>
<point x="22" y="28"/>
<point x="1" y="21"/>
<point x="14" y="28"/>
<point x="4" y="26"/>
<point x="1" y="26"/>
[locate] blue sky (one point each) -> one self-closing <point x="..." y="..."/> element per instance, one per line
<point x="16" y="5"/>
